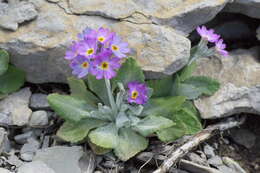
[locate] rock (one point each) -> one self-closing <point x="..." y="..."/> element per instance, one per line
<point x="4" y="142"/>
<point x="14" y="160"/>
<point x="39" y="119"/>
<point x="2" y="170"/>
<point x="258" y="33"/>
<point x="174" y="170"/>
<point x="29" y="149"/>
<point x="40" y="46"/>
<point x="209" y="151"/>
<point x="196" y="159"/>
<point x="247" y="7"/>
<point x="87" y="162"/>
<point x="233" y="165"/>
<point x="243" y="137"/>
<point x="22" y="138"/>
<point x="16" y="105"/>
<point x="39" y="101"/>
<point x="5" y="118"/>
<point x="196" y="168"/>
<point x="60" y="158"/>
<point x="238" y="93"/>
<point x="15" y="14"/>
<point x="225" y="169"/>
<point x="215" y="161"/>
<point x="35" y="166"/>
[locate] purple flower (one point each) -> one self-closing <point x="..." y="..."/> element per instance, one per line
<point x="88" y="48"/>
<point x="80" y="66"/>
<point x="220" y="47"/>
<point x="119" y="48"/>
<point x="104" y="65"/>
<point x="104" y="35"/>
<point x="137" y="93"/>
<point x="73" y="51"/>
<point x="207" y="34"/>
<point x="87" y="34"/>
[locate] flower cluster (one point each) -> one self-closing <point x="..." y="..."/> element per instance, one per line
<point x="210" y="36"/>
<point x="98" y="52"/>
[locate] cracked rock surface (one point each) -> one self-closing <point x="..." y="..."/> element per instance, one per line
<point x="239" y="77"/>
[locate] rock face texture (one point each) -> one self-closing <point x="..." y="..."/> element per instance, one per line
<point x="247" y="7"/>
<point x="258" y="33"/>
<point x="240" y="84"/>
<point x="155" y="31"/>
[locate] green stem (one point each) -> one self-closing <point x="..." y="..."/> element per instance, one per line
<point x="110" y="96"/>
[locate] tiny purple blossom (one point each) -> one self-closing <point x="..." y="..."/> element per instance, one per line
<point x="73" y="51"/>
<point x="88" y="48"/>
<point x="80" y="66"/>
<point x="104" y="65"/>
<point x="207" y="34"/>
<point x="104" y="35"/>
<point x="118" y="47"/>
<point x="220" y="47"/>
<point x="137" y="93"/>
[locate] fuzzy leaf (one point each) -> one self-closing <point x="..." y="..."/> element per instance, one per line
<point x="4" y="61"/>
<point x="78" y="89"/>
<point x="76" y="132"/>
<point x="130" y="143"/>
<point x="99" y="88"/>
<point x="161" y="87"/>
<point x="151" y="124"/>
<point x="190" y="91"/>
<point x="11" y="80"/>
<point x="105" y="136"/>
<point x="187" y="71"/>
<point x="98" y="150"/>
<point x="69" y="108"/>
<point x="187" y="123"/>
<point x="130" y="71"/>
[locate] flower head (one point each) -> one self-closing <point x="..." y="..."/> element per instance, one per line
<point x="220" y="47"/>
<point x="104" y="35"/>
<point x="207" y="34"/>
<point x="80" y="66"/>
<point x="87" y="34"/>
<point x="104" y="65"/>
<point x="118" y="47"/>
<point x="88" y="48"/>
<point x="73" y="51"/>
<point x="137" y="93"/>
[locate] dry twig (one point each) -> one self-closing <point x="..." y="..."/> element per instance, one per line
<point x="196" y="139"/>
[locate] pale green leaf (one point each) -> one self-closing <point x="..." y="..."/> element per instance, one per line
<point x="161" y="87"/>
<point x="187" y="71"/>
<point x="98" y="150"/>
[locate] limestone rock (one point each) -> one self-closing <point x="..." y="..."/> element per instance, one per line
<point x="39" y="47"/>
<point x="258" y="33"/>
<point x="16" y="106"/>
<point x="247" y="7"/>
<point x="36" y="166"/>
<point x="39" y="119"/>
<point x="240" y="84"/>
<point x="2" y="170"/>
<point x="39" y="101"/>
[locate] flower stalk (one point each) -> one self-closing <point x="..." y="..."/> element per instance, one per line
<point x="110" y="96"/>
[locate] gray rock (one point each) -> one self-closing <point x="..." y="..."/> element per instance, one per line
<point x="4" y="142"/>
<point x="22" y="138"/>
<point x="39" y="101"/>
<point x="197" y="159"/>
<point x="215" y="161"/>
<point x="258" y="33"/>
<point x="233" y="165"/>
<point x="196" y="168"/>
<point x="5" y="118"/>
<point x="39" y="119"/>
<point x="14" y="160"/>
<point x="174" y="170"/>
<point x="15" y="14"/>
<point x="238" y="93"/>
<point x="2" y="170"/>
<point x="16" y="105"/>
<point x="35" y="166"/>
<point x="225" y="169"/>
<point x="87" y="162"/>
<point x="247" y="7"/>
<point x="29" y="149"/>
<point x="209" y="151"/>
<point x="243" y="137"/>
<point x="60" y="158"/>
<point x="40" y="45"/>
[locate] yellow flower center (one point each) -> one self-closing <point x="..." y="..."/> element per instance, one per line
<point x="101" y="39"/>
<point x="134" y="95"/>
<point x="115" y="48"/>
<point x="105" y="65"/>
<point x="90" y="51"/>
<point x="84" y="65"/>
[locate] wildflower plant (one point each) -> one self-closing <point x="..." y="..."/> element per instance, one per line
<point x="113" y="108"/>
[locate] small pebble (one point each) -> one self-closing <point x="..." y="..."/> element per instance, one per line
<point x="39" y="101"/>
<point x="215" y="161"/>
<point x="209" y="151"/>
<point x="39" y="119"/>
<point x="22" y="138"/>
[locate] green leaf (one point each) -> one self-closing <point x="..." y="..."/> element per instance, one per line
<point x="105" y="136"/>
<point x="206" y="85"/>
<point x="69" y="108"/>
<point x="130" y="71"/>
<point x="164" y="106"/>
<point x="98" y="150"/>
<point x="187" y="71"/>
<point x="4" y="61"/>
<point x="161" y="87"/>
<point x="76" y="132"/>
<point x="130" y="143"/>
<point x="190" y="91"/>
<point x="11" y="80"/>
<point x="78" y="89"/>
<point x="151" y="124"/>
<point x="187" y="123"/>
<point x="99" y="88"/>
